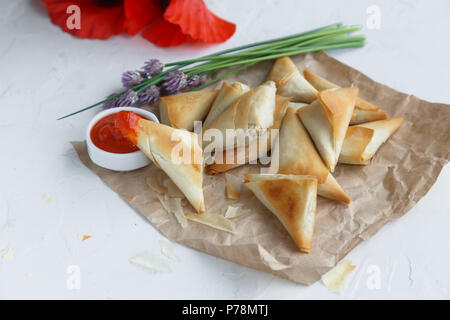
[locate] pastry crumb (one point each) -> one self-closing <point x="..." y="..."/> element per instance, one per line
<point x="9" y="255"/>
<point x="336" y="279"/>
<point x="47" y="197"/>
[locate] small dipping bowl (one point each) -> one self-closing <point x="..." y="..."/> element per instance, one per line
<point x="117" y="161"/>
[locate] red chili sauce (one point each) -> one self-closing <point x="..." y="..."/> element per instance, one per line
<point x="107" y="135"/>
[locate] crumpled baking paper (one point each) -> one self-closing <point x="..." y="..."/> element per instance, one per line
<point x="401" y="173"/>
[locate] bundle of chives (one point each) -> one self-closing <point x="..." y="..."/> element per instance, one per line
<point x="329" y="37"/>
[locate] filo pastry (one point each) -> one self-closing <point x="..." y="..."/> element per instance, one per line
<point x="327" y="120"/>
<point x="364" y="111"/>
<point x="297" y="105"/>
<point x="363" y="141"/>
<point x="175" y="151"/>
<point x="253" y="110"/>
<point x="290" y="82"/>
<point x="263" y="144"/>
<point x="292" y="199"/>
<point x="181" y="110"/>
<point x="227" y="95"/>
<point x="297" y="155"/>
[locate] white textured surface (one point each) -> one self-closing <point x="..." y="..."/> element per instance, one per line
<point x="46" y="73"/>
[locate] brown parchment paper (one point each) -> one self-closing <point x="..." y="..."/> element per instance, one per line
<point x="401" y="173"/>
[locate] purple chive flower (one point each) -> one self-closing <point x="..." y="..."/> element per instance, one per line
<point x="143" y="74"/>
<point x="131" y="79"/>
<point x="153" y="67"/>
<point x="149" y="95"/>
<point x="195" y="81"/>
<point x="110" y="103"/>
<point x="174" y="81"/>
<point x="128" y="99"/>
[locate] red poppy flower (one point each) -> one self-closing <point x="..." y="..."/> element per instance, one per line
<point x="165" y="34"/>
<point x="99" y="19"/>
<point x="183" y="21"/>
<point x="140" y="13"/>
<point x="197" y="21"/>
<point x="170" y="22"/>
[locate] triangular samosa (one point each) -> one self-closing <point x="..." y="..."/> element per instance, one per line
<point x="292" y="199"/>
<point x="327" y="119"/>
<point x="362" y="141"/>
<point x="364" y="111"/>
<point x="297" y="155"/>
<point x="227" y="95"/>
<point x="177" y="152"/>
<point x="332" y="190"/>
<point x="255" y="144"/>
<point x="181" y="110"/>
<point x="290" y="82"/>
<point x="254" y="110"/>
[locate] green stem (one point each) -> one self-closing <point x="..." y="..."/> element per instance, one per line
<point x="329" y="37"/>
<point x="138" y="88"/>
<point x="325" y="39"/>
<point x="92" y="106"/>
<point x="207" y="84"/>
<point x="273" y="44"/>
<point x="226" y="64"/>
<point x="319" y="41"/>
<point x="251" y="64"/>
<point x="261" y="43"/>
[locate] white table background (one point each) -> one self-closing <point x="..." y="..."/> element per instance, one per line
<point x="46" y="73"/>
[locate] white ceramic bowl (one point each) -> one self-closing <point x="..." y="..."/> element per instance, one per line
<point x="117" y="161"/>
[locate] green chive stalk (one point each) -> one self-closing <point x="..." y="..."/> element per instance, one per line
<point x="239" y="58"/>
